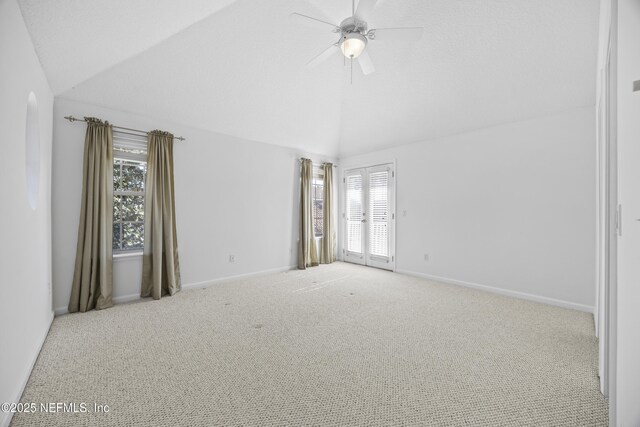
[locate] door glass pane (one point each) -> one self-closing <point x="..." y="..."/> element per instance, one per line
<point x="379" y="213"/>
<point x="354" y="213"/>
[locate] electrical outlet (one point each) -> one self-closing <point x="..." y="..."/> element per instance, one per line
<point x="426" y="257"/>
<point x="232" y="258"/>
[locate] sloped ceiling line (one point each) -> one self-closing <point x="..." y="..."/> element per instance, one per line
<point x="237" y="67"/>
<point x="78" y="40"/>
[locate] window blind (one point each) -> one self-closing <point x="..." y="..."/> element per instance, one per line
<point x="130" y="148"/>
<point x="379" y="213"/>
<point x="354" y="213"/>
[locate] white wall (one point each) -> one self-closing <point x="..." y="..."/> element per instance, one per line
<point x="628" y="140"/>
<point x="25" y="233"/>
<point x="233" y="196"/>
<point x="510" y="207"/>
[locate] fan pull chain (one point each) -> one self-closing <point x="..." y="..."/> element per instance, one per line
<point x="352" y="71"/>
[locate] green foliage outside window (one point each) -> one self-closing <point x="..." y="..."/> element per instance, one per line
<point x="128" y="205"/>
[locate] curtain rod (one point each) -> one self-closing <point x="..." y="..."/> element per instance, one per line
<point x="74" y="119"/>
<point x="332" y="164"/>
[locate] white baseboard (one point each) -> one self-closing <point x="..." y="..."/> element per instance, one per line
<point x="126" y="298"/>
<point x="133" y="297"/>
<point x="506" y="292"/>
<point x="6" y="417"/>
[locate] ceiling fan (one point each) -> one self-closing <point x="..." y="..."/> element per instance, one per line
<point x="355" y="34"/>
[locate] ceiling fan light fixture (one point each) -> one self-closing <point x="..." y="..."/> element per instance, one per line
<point x="352" y="45"/>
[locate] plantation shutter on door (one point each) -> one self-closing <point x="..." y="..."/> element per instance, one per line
<point x="354" y="213"/>
<point x="379" y="214"/>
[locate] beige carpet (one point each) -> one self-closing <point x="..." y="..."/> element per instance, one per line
<point x="337" y="345"/>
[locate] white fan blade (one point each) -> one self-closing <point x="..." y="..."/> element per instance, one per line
<point x="365" y="7"/>
<point x="396" y="34"/>
<point x="365" y="63"/>
<point x="311" y="21"/>
<point x="326" y="54"/>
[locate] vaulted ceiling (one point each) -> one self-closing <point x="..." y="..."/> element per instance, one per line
<point x="238" y="66"/>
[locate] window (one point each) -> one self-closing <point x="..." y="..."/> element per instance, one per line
<point x="354" y="195"/>
<point x="317" y="197"/>
<point x="129" y="172"/>
<point x="379" y="213"/>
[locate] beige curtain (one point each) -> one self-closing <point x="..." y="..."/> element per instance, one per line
<point x="307" y="253"/>
<point x="160" y="266"/>
<point x="328" y="242"/>
<point x="93" y="276"/>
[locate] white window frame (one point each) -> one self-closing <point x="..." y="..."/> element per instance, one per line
<point x="132" y="151"/>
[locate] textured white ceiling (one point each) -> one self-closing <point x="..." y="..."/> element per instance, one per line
<point x="240" y="70"/>
<point x="76" y="40"/>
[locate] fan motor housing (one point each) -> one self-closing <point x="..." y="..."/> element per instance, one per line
<point x="353" y="25"/>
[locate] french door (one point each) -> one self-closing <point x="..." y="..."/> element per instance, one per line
<point x="369" y="216"/>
